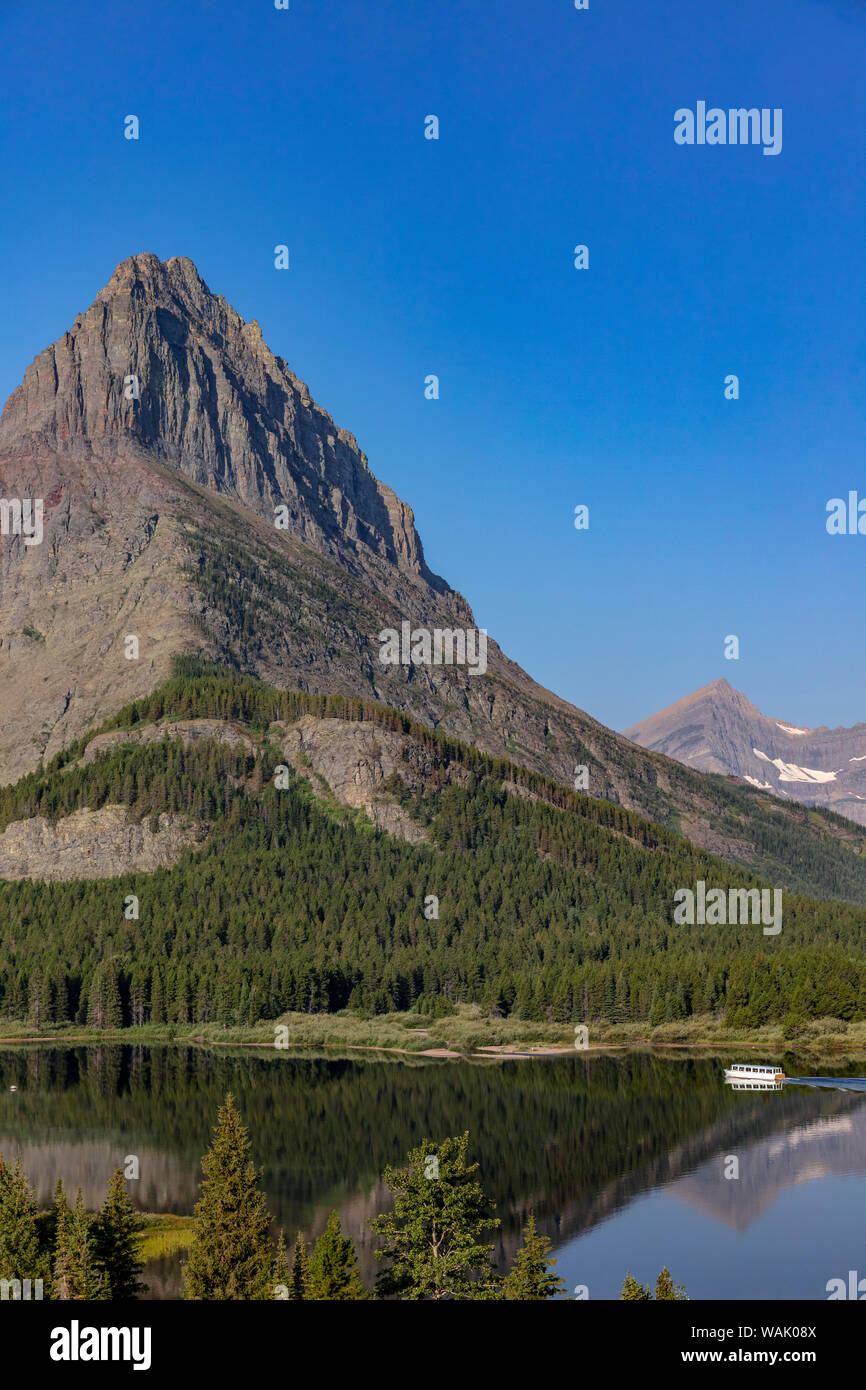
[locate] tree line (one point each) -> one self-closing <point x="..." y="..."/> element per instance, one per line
<point x="67" y="1253"/>
<point x="434" y="1242"/>
<point x="553" y="908"/>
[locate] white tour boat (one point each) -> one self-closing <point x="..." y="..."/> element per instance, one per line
<point x="751" y="1074"/>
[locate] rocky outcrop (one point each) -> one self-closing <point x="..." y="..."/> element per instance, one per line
<point x="93" y="844"/>
<point x="355" y="760"/>
<point x="189" y="731"/>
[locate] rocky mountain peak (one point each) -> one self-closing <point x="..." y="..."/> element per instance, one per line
<point x="146" y="274"/>
<point x="717" y="729"/>
<point x="159" y="365"/>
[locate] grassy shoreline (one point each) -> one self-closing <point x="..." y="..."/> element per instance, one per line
<point x="464" y="1033"/>
<point x="164" y="1234"/>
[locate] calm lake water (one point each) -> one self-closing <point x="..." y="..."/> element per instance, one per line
<point x="621" y="1157"/>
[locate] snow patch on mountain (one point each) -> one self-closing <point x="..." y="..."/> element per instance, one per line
<point x="790" y="772"/>
<point x="792" y="729"/>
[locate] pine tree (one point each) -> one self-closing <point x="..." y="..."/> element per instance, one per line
<point x="434" y="1237"/>
<point x="61" y="995"/>
<point x="334" y="1274"/>
<point x="231" y="1257"/>
<point x="634" y="1292"/>
<point x="116" y="1248"/>
<point x="666" y="1291"/>
<point x="20" y="1255"/>
<point x="35" y="1006"/>
<point x="157" y="998"/>
<point x="223" y="1007"/>
<point x="75" y="1275"/>
<point x="62" y="1261"/>
<point x="87" y="1282"/>
<point x="531" y="1276"/>
<point x="104" y="1008"/>
<point x="300" y="1281"/>
<point x="282" y="1274"/>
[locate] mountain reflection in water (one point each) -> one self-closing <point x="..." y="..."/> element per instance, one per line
<point x="620" y="1157"/>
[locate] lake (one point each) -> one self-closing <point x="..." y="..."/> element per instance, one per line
<point x="622" y="1157"/>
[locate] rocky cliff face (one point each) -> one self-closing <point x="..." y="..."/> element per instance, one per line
<point x="93" y="844"/>
<point x="159" y="366"/>
<point x="354" y="761"/>
<point x="717" y="729"/>
<point x="162" y="435"/>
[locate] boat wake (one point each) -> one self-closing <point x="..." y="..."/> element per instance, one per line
<point x="830" y="1083"/>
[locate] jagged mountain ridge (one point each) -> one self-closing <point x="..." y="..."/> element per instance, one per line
<point x="159" y="522"/>
<point x="716" y="729"/>
<point x="215" y="403"/>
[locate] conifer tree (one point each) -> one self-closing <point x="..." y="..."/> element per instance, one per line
<point x="334" y="1274"/>
<point x="231" y="1257"/>
<point x="434" y="1237"/>
<point x="62" y="1260"/>
<point x="116" y="1246"/>
<point x="75" y="1275"/>
<point x="300" y="1281"/>
<point x="666" y="1291"/>
<point x="104" y="1008"/>
<point x="634" y="1292"/>
<point x="36" y="1006"/>
<point x="531" y="1277"/>
<point x="87" y="1282"/>
<point x="20" y="1254"/>
<point x="282" y="1274"/>
<point x="157" y="998"/>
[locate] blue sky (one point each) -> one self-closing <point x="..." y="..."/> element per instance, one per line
<point x="455" y="257"/>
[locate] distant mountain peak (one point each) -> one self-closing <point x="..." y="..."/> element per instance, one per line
<point x="717" y="729"/>
<point x="718" y="693"/>
<point x="719" y="689"/>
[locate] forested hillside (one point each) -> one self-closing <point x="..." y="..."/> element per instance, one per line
<point x="550" y="904"/>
